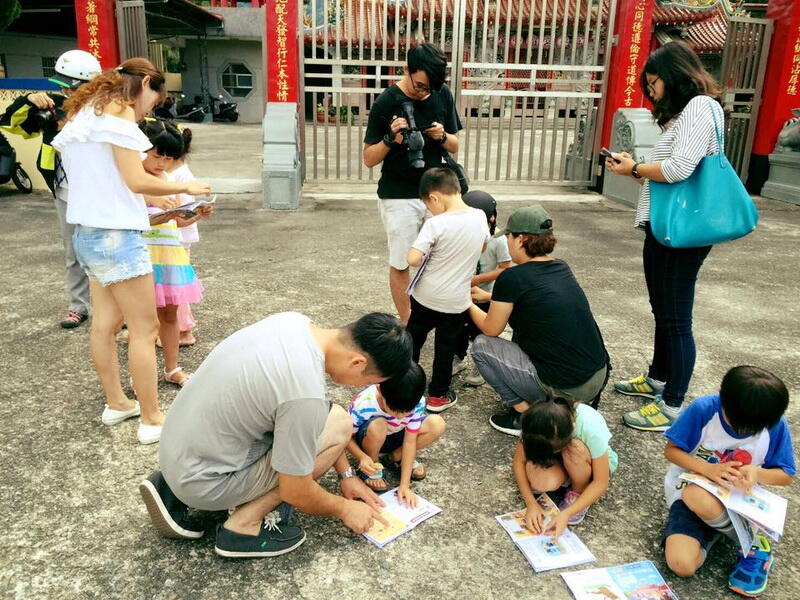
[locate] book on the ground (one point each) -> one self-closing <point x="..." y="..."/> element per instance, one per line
<point x="185" y="211"/>
<point x="760" y="510"/>
<point x="420" y="270"/>
<point x="401" y="518"/>
<point x="634" y="581"/>
<point x="544" y="552"/>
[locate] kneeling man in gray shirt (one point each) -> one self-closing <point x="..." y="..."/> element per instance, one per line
<point x="252" y="430"/>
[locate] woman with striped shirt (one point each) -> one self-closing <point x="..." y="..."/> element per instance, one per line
<point x="686" y="107"/>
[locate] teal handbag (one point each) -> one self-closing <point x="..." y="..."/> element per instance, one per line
<point x="710" y="207"/>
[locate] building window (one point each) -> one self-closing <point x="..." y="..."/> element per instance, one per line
<point x="48" y="66"/>
<point x="237" y="80"/>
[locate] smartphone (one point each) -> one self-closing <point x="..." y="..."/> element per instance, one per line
<point x="605" y="152"/>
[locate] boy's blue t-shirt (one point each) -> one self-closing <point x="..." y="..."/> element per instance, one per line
<point x="701" y="430"/>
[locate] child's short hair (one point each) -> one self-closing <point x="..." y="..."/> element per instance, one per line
<point x="439" y="179"/>
<point x="752" y="398"/>
<point x="402" y="393"/>
<point x="547" y="428"/>
<point x="165" y="137"/>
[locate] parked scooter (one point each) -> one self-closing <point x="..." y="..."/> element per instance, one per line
<point x="195" y="113"/>
<point x="224" y="111"/>
<point x="10" y="169"/>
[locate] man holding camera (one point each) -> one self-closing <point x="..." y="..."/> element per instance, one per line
<point x="40" y="113"/>
<point x="411" y="125"/>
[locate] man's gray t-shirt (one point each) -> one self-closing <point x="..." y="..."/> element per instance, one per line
<point x="262" y="387"/>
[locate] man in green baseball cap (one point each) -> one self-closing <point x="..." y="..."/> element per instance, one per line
<point x="531" y="219"/>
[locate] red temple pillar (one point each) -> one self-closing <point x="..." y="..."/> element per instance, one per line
<point x="97" y="30"/>
<point x="633" y="27"/>
<point x="781" y="86"/>
<point x="280" y="56"/>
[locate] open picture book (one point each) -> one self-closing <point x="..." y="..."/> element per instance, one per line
<point x="401" y="517"/>
<point x="634" y="581"/>
<point x="543" y="552"/>
<point x="185" y="211"/>
<point x="761" y="510"/>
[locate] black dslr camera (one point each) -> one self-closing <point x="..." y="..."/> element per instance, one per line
<point x="412" y="138"/>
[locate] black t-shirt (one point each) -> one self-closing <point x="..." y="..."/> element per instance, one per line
<point x="398" y="179"/>
<point x="552" y="322"/>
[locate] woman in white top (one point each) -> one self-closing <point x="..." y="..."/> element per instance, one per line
<point x="686" y="107"/>
<point x="101" y="149"/>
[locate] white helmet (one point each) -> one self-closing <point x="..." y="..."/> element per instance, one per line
<point x="77" y="65"/>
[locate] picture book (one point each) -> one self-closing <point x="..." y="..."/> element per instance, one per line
<point x="401" y="518"/>
<point x="763" y="509"/>
<point x="185" y="211"/>
<point x="635" y="581"/>
<point x="418" y="275"/>
<point x="543" y="552"/>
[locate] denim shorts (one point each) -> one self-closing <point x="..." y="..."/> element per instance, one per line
<point x="402" y="220"/>
<point x="111" y="255"/>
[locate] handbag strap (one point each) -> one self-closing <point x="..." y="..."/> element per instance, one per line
<point x="717" y="129"/>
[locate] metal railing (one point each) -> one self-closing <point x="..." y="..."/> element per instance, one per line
<point x="528" y="78"/>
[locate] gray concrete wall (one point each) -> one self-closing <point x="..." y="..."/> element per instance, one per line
<point x="220" y="53"/>
<point x="23" y="53"/>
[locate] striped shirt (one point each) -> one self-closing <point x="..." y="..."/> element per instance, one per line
<point x="686" y="139"/>
<point x="365" y="406"/>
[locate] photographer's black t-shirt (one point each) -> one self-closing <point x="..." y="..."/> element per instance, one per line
<point x="398" y="179"/>
<point x="552" y="322"/>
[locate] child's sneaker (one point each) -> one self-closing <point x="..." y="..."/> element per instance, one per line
<point x="568" y="500"/>
<point x="474" y="379"/>
<point x="640" y="386"/>
<point x="749" y="576"/>
<point x="439" y="404"/>
<point x="651" y="417"/>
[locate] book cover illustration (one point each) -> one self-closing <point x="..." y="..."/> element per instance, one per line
<point x="401" y="518"/>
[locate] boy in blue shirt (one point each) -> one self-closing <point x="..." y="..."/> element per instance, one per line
<point x="736" y="438"/>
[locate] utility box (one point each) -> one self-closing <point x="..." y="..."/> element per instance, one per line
<point x="280" y="170"/>
<point x="635" y="132"/>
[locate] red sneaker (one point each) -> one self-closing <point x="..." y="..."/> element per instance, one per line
<point x="439" y="404"/>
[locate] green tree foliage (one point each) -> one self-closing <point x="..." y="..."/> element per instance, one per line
<point x="9" y="11"/>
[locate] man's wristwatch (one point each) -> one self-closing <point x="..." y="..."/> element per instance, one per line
<point x="442" y="140"/>
<point x="346" y="474"/>
<point x="635" y="171"/>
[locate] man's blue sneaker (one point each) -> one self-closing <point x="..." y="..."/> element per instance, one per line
<point x="750" y="575"/>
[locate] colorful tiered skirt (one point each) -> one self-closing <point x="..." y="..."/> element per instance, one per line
<point x="175" y="279"/>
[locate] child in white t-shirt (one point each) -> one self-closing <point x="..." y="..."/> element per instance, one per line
<point x="389" y="427"/>
<point x="493" y="261"/>
<point x="450" y="244"/>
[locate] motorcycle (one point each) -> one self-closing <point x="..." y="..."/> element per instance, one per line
<point x="10" y="169"/>
<point x="223" y="111"/>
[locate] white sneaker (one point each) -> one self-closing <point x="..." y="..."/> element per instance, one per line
<point x="112" y="417"/>
<point x="148" y="434"/>
<point x="459" y="364"/>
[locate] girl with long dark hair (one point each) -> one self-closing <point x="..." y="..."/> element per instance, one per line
<point x="686" y="107"/>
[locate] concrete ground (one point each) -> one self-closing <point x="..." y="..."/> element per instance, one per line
<point x="74" y="526"/>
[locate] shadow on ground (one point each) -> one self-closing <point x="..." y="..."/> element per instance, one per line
<point x="74" y="526"/>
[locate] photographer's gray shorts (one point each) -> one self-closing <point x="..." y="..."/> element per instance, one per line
<point x="402" y="220"/>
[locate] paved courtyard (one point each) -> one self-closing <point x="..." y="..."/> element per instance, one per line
<point x="73" y="524"/>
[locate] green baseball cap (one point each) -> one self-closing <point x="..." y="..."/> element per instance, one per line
<point x="531" y="219"/>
